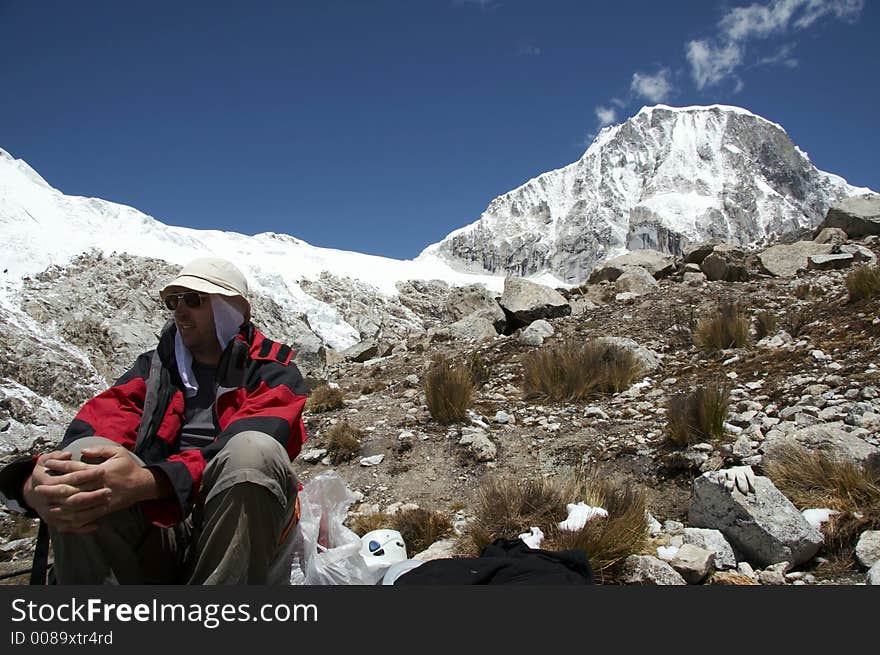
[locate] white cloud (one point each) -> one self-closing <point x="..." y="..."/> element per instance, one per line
<point x="761" y="21"/>
<point x="527" y="48"/>
<point x="710" y="63"/>
<point x="655" y="88"/>
<point x="781" y="57"/>
<point x="717" y="58"/>
<point x="606" y="116"/>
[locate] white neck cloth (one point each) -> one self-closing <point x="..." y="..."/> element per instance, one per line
<point x="227" y="323"/>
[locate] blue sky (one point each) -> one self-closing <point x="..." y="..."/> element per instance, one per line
<point x="381" y="126"/>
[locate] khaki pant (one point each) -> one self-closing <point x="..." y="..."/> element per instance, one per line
<point x="237" y="532"/>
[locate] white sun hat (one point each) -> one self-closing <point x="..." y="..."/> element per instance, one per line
<point x="211" y="275"/>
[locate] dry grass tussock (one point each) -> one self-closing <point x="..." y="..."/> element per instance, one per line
<point x="343" y="442"/>
<point x="797" y="319"/>
<point x="479" y="369"/>
<point x="324" y="399"/>
<point x="507" y="507"/>
<point x="419" y="527"/>
<point x="571" y="372"/>
<point x="863" y="282"/>
<point x="727" y="327"/>
<point x="814" y="480"/>
<point x="697" y="416"/>
<point x="449" y="391"/>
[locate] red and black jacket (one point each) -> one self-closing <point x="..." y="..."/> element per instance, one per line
<point x="260" y="389"/>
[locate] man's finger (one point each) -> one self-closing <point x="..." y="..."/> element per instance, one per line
<point x="84" y="500"/>
<point x="55" y="454"/>
<point x="102" y="452"/>
<point x="60" y="466"/>
<point x="90" y="476"/>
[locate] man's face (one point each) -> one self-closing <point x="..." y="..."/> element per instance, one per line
<point x="196" y="327"/>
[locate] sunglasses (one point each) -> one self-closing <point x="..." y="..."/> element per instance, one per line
<point x="191" y="299"/>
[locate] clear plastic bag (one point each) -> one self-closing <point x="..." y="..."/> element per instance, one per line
<point x="325" y="551"/>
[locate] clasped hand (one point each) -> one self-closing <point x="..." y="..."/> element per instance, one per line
<point x="72" y="496"/>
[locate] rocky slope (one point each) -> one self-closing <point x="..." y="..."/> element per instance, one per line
<point x="815" y="381"/>
<point x="665" y="177"/>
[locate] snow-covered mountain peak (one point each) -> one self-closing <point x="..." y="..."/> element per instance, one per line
<point x="665" y="176"/>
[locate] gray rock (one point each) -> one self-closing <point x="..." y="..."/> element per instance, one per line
<point x="636" y="280"/>
<point x="645" y="569"/>
<point x="695" y="253"/>
<point x="656" y="263"/>
<point x="873" y="577"/>
<point x="693" y="563"/>
<point x="501" y="417"/>
<point x="828" y="438"/>
<point x="372" y="460"/>
<point x="648" y="358"/>
<point x="535" y="333"/>
<point x="474" y="327"/>
<point x="744" y="568"/>
<point x="785" y="260"/>
<point x="833" y="235"/>
<point x="443" y="549"/>
<point x="693" y="278"/>
<point x="714" y="541"/>
<point x="361" y="352"/>
<point x="774" y="574"/>
<point x="859" y="253"/>
<point x="473" y="299"/>
<point x="726" y="263"/>
<point x="858" y="216"/>
<point x="829" y="262"/>
<point x="480" y="445"/>
<point x="314" y="455"/>
<point x="868" y="548"/>
<point x="763" y="525"/>
<point x="527" y="301"/>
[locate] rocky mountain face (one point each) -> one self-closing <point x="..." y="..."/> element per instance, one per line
<point x="812" y="379"/>
<point x="664" y="178"/>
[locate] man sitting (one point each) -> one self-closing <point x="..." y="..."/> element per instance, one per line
<point x="180" y="472"/>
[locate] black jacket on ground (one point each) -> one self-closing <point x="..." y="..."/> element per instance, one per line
<point x="505" y="561"/>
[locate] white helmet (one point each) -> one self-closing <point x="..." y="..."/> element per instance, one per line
<point x="382" y="548"/>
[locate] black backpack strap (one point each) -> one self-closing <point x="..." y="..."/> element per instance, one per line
<point x="151" y="401"/>
<point x="41" y="555"/>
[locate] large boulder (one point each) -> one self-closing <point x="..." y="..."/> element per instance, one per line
<point x="827" y="438"/>
<point x="833" y="235"/>
<point x="473" y="328"/>
<point x="785" y="260"/>
<point x="859" y="253"/>
<point x="829" y="262"/>
<point x="637" y="280"/>
<point x="727" y="263"/>
<point x="695" y="253"/>
<point x="657" y="263"/>
<point x="526" y="301"/>
<point x="473" y="299"/>
<point x="361" y="352"/>
<point x="858" y="216"/>
<point x="764" y="526"/>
